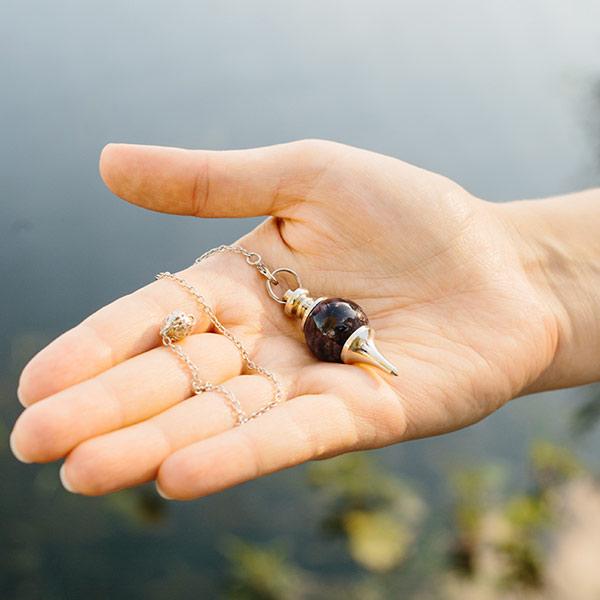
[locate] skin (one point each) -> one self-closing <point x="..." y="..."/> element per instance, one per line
<point x="475" y="303"/>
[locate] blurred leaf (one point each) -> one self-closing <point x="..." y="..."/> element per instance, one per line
<point x="262" y="572"/>
<point x="354" y="477"/>
<point x="476" y="489"/>
<point x="375" y="510"/>
<point x="553" y="465"/>
<point x="526" y="513"/>
<point x="524" y="565"/>
<point x="357" y="481"/>
<point x="377" y="540"/>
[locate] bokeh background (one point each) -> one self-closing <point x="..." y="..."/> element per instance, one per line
<point x="503" y="97"/>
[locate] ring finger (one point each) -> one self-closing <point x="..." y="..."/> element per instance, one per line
<point x="125" y="394"/>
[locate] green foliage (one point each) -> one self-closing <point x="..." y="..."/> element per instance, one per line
<point x="476" y="489"/>
<point x="374" y="511"/>
<point x="499" y="544"/>
<point x="356" y="479"/>
<point x="508" y="532"/>
<point x="530" y="515"/>
<point x="262" y="572"/>
<point x="552" y="465"/>
<point x="524" y="564"/>
<point x="526" y="513"/>
<point x="377" y="540"/>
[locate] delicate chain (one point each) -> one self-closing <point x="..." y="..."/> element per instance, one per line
<point x="198" y="385"/>
<point x="254" y="259"/>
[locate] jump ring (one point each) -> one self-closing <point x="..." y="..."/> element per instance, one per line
<point x="253" y="258"/>
<point x="269" y="283"/>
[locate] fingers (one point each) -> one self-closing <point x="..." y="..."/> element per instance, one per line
<point x="306" y="427"/>
<point x="132" y="455"/>
<point x="232" y="183"/>
<point x="124" y="328"/>
<point x="340" y="408"/>
<point x="128" y="393"/>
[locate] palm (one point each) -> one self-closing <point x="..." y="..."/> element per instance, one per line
<point x="431" y="266"/>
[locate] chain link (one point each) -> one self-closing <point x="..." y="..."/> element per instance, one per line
<point x="198" y="385"/>
<point x="254" y="259"/>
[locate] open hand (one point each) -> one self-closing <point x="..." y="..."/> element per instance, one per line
<point x="436" y="270"/>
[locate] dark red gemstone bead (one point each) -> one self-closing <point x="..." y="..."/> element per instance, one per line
<point x="329" y="324"/>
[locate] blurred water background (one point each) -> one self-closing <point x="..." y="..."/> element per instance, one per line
<point x="501" y="96"/>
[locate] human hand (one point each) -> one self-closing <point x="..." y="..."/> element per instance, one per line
<point x="439" y="272"/>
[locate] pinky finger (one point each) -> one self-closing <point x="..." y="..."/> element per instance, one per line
<point x="307" y="427"/>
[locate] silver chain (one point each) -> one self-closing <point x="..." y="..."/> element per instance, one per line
<point x="254" y="259"/>
<point x="198" y="385"/>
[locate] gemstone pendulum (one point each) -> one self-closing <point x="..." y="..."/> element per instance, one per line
<point x="335" y="329"/>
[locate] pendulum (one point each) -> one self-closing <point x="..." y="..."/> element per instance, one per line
<point x="335" y="329"/>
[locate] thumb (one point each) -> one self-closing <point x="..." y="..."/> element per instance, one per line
<point x="231" y="183"/>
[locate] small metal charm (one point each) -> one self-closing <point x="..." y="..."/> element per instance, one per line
<point x="177" y="325"/>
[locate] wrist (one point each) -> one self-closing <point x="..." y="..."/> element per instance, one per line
<point x="558" y="245"/>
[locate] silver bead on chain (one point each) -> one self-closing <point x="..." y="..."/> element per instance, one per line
<point x="183" y="328"/>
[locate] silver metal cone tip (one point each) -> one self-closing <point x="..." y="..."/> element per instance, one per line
<point x="360" y="347"/>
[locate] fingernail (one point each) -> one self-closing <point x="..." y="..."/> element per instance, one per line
<point x="65" y="481"/>
<point x="16" y="453"/>
<point x="20" y="395"/>
<point x="161" y="493"/>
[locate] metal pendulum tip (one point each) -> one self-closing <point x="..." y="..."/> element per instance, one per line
<point x="360" y="347"/>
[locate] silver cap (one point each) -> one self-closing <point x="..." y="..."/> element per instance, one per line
<point x="360" y="347"/>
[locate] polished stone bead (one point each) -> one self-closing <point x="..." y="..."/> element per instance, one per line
<point x="329" y="324"/>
